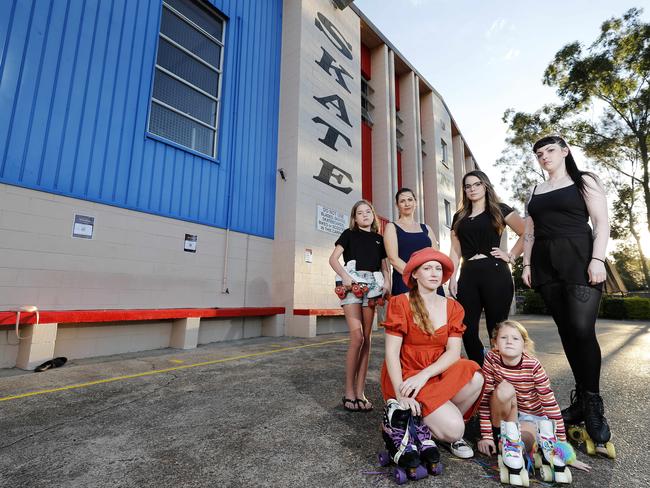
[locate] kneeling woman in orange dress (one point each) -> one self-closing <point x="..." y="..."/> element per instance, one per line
<point x="423" y="370"/>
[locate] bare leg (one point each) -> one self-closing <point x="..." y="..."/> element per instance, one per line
<point x="528" y="433"/>
<point x="503" y="404"/>
<point x="364" y="356"/>
<point x="468" y="395"/>
<point x="353" y="317"/>
<point x="446" y="423"/>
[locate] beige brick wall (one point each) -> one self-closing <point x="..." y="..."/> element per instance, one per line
<point x="135" y="260"/>
<point x="299" y="284"/>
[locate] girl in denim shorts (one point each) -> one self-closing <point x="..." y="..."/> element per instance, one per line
<point x="363" y="251"/>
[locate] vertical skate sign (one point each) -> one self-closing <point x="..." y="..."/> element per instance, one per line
<point x="331" y="221"/>
<point x="336" y="95"/>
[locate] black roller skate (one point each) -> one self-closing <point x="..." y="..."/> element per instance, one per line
<point x="573" y="414"/>
<point x="594" y="431"/>
<point x="397" y="431"/>
<point x="429" y="453"/>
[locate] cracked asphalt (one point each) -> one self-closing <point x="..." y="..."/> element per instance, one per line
<point x="266" y="412"/>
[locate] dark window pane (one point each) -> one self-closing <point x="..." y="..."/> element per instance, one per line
<point x="188" y="68"/>
<point x="186" y="99"/>
<point x="190" y="38"/>
<point x="200" y="16"/>
<point x="181" y="130"/>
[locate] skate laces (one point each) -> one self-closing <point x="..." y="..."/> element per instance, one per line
<point x="595" y="405"/>
<point x="423" y="434"/>
<point x="510" y="447"/>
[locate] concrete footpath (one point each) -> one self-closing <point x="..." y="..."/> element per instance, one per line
<point x="266" y="412"/>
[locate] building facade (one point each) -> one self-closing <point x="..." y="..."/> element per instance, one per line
<point x="196" y="154"/>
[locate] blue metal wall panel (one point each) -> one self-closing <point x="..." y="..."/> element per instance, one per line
<point x="75" y="82"/>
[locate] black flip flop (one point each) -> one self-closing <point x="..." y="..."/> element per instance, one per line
<point x="365" y="402"/>
<point x="353" y="402"/>
<point x="52" y="363"/>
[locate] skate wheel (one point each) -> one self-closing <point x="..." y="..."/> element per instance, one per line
<point x="421" y="472"/>
<point x="503" y="471"/>
<point x="546" y="472"/>
<point x="611" y="450"/>
<point x="591" y="447"/>
<point x="524" y="477"/>
<point x="576" y="434"/>
<point x="538" y="460"/>
<point x="563" y="476"/>
<point x="516" y="480"/>
<point x="383" y="458"/>
<point x="399" y="475"/>
<point x="435" y="469"/>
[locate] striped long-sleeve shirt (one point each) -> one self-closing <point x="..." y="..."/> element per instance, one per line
<point x="532" y="385"/>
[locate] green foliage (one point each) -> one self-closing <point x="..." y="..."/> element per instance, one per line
<point x="628" y="263"/>
<point x="533" y="303"/>
<point x="634" y="308"/>
<point x="613" y="75"/>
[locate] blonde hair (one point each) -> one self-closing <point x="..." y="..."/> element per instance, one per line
<point x="419" y="310"/>
<point x="353" y="223"/>
<point x="529" y="344"/>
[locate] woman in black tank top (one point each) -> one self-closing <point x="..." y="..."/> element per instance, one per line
<point x="564" y="260"/>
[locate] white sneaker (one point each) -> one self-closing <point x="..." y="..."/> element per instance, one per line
<point x="461" y="449"/>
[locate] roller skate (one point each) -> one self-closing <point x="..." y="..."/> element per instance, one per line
<point x="551" y="455"/>
<point x="594" y="432"/>
<point x="397" y="431"/>
<point x="429" y="453"/>
<point x="512" y="465"/>
<point x="358" y="288"/>
<point x="573" y="415"/>
<point x="340" y="289"/>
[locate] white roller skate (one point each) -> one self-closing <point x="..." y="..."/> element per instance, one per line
<point x="358" y="288"/>
<point x="551" y="455"/>
<point x="512" y="465"/>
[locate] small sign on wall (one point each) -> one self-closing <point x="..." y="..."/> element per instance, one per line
<point x="309" y="256"/>
<point x="83" y="226"/>
<point x="331" y="221"/>
<point x="190" y="243"/>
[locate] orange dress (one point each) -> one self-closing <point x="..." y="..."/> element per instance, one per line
<point x="420" y="350"/>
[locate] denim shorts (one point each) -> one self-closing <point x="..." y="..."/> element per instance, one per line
<point x="363" y="277"/>
<point x="527" y="417"/>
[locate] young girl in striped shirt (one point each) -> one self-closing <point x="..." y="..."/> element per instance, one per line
<point x="518" y="410"/>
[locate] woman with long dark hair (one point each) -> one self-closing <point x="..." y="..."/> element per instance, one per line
<point x="564" y="260"/>
<point x="485" y="282"/>
<point x="404" y="237"/>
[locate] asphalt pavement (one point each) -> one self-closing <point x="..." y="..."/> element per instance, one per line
<point x="267" y="412"/>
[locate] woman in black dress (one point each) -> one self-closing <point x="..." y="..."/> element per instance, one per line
<point x="564" y="260"/>
<point x="485" y="282"/>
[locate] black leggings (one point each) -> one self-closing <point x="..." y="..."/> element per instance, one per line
<point x="575" y="309"/>
<point x="484" y="284"/>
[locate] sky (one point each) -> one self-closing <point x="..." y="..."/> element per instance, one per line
<point x="485" y="56"/>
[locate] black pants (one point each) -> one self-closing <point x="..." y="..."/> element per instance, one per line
<point x="574" y="309"/>
<point x="484" y="284"/>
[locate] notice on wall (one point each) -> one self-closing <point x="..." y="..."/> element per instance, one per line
<point x="190" y="243"/>
<point x="83" y="226"/>
<point x="331" y="221"/>
<point x="309" y="256"/>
